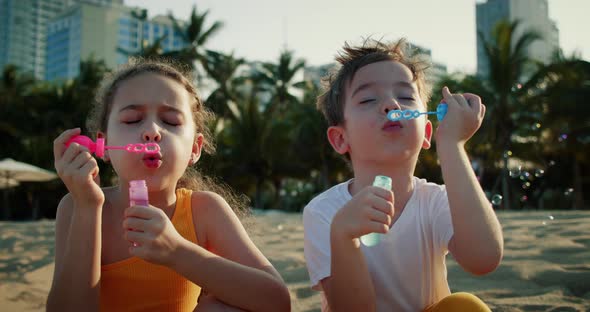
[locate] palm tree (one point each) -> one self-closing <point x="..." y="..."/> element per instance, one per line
<point x="14" y="88"/>
<point x="277" y="79"/>
<point x="222" y="68"/>
<point x="195" y="34"/>
<point x="567" y="127"/>
<point x="508" y="59"/>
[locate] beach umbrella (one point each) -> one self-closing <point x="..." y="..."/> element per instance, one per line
<point x="8" y="183"/>
<point x="13" y="172"/>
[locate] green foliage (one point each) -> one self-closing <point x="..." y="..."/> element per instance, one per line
<point x="271" y="139"/>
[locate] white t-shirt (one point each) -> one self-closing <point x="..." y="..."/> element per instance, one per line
<point x="408" y="265"/>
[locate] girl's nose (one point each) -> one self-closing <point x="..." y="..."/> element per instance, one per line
<point x="390" y="105"/>
<point x="152" y="134"/>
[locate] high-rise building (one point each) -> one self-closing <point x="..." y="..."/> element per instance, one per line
<point x="23" y="27"/>
<point x="532" y="14"/>
<point x="106" y="32"/>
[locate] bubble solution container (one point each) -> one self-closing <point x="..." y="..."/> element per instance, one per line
<point x="373" y="239"/>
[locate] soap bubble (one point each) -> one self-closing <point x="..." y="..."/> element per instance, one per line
<point x="524" y="198"/>
<point x="551" y="218"/>
<point x="515" y="172"/>
<point x="539" y="173"/>
<point x="568" y="192"/>
<point x="496" y="199"/>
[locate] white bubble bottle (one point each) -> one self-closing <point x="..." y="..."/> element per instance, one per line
<point x="373" y="239"/>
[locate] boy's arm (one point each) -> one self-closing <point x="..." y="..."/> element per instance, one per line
<point x="477" y="242"/>
<point x="349" y="286"/>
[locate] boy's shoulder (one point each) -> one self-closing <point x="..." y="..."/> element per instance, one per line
<point x="331" y="199"/>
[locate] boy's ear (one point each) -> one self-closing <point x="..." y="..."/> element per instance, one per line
<point x="338" y="139"/>
<point x="105" y="157"/>
<point x="427" y="135"/>
<point x="197" y="148"/>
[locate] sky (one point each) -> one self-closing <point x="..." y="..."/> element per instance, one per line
<point x="316" y="29"/>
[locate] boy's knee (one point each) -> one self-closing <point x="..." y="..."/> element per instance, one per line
<point x="461" y="301"/>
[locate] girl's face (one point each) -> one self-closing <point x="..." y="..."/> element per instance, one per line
<point x="153" y="108"/>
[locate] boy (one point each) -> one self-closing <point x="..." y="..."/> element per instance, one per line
<point x="421" y="221"/>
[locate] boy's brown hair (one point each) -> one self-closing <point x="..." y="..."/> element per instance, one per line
<point x="352" y="58"/>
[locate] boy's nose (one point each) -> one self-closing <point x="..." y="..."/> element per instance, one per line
<point x="391" y="105"/>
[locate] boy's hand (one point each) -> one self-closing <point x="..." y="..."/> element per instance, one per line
<point x="464" y="116"/>
<point x="153" y="233"/>
<point x="370" y="210"/>
<point x="78" y="170"/>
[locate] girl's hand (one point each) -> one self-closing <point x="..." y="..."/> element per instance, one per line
<point x="78" y="170"/>
<point x="465" y="115"/>
<point x="153" y="234"/>
<point x="370" y="210"/>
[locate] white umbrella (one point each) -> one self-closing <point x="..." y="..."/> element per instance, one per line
<point x="7" y="183"/>
<point x="13" y="172"/>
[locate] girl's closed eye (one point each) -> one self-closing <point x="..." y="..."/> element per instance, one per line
<point x="131" y="119"/>
<point x="172" y="118"/>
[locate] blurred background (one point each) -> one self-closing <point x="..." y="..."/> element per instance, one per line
<point x="259" y="65"/>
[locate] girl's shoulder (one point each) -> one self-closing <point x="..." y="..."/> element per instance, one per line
<point x="209" y="204"/>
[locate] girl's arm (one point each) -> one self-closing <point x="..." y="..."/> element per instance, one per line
<point x="232" y="270"/>
<point x="76" y="277"/>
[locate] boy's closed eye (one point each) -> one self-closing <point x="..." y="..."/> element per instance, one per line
<point x="365" y="101"/>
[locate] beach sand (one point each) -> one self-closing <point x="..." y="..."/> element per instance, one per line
<point x="546" y="265"/>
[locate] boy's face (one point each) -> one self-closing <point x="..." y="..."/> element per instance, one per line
<point x="367" y="134"/>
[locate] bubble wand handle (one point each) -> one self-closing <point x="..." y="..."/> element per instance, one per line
<point x="397" y="115"/>
<point x="98" y="148"/>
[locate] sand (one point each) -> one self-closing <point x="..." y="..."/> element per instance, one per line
<point x="546" y="266"/>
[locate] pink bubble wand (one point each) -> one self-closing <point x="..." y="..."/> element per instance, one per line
<point x="98" y="148"/>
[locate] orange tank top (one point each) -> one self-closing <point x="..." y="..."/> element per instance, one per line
<point x="137" y="285"/>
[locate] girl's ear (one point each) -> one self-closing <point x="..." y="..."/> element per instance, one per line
<point x="427" y="135"/>
<point x="338" y="139"/>
<point x="105" y="157"/>
<point x="197" y="148"/>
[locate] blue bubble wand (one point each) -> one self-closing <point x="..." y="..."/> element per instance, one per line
<point x="397" y="115"/>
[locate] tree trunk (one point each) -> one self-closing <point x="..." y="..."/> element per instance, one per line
<point x="578" y="202"/>
<point x="505" y="183"/>
<point x="258" y="196"/>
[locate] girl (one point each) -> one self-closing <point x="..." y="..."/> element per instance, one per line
<point x="155" y="257"/>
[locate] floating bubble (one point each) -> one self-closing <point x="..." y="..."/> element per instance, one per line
<point x="562" y="137"/>
<point x="526" y="185"/>
<point x="539" y="173"/>
<point x="524" y="198"/>
<point x="551" y="163"/>
<point x="496" y="199"/>
<point x="537" y="125"/>
<point x="568" y="191"/>
<point x="280" y="227"/>
<point x="551" y="218"/>
<point x="525" y="175"/>
<point x="515" y="172"/>
<point x="507" y="154"/>
<point x="544" y="222"/>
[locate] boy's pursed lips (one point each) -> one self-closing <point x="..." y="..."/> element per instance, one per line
<point x="392" y="125"/>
